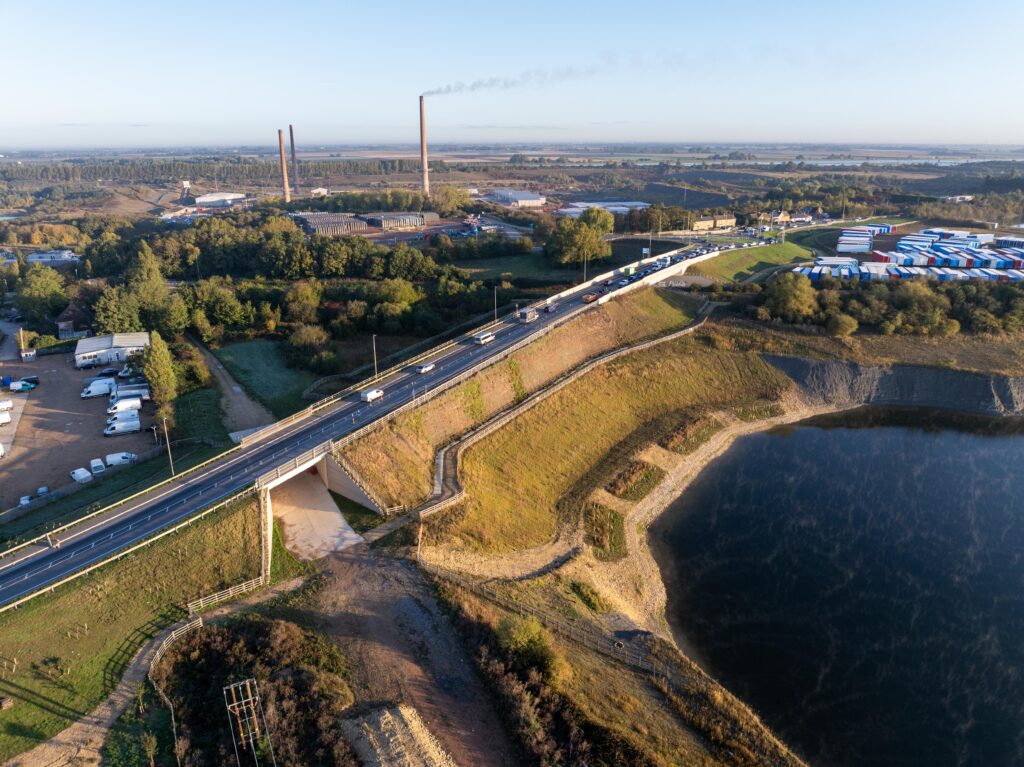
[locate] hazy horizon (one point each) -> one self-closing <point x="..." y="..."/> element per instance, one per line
<point x="228" y="75"/>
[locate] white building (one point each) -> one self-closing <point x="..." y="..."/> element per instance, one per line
<point x="219" y="199"/>
<point x="52" y="257"/>
<point x="320" y="191"/>
<point x="107" y="350"/>
<point x="615" y="207"/>
<point x="513" y="198"/>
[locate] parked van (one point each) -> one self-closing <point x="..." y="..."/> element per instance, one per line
<point x="127" y="427"/>
<point x="424" y="367"/>
<point x="96" y="467"/>
<point x="98" y="387"/>
<point x="139" y="391"/>
<point x="483" y="338"/>
<point x="371" y="395"/>
<point x="121" y="459"/>
<point x="6" y="404"/>
<point x="124" y="415"/>
<point x="81" y="476"/>
<point x="122" y="405"/>
<point x="3" y="452"/>
<point x="5" y="418"/>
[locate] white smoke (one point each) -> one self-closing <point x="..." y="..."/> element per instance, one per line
<point x="530" y="77"/>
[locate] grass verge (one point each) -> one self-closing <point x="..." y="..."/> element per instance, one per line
<point x="260" y="368"/>
<point x="737" y="265"/>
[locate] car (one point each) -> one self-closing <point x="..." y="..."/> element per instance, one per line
<point x="34" y="380"/>
<point x="125" y="371"/>
<point x="21" y="386"/>
<point x="550" y="309"/>
<point x="424" y="367"/>
<point x="109" y="371"/>
<point x="121" y="459"/>
<point x="96" y="467"/>
<point x="42" y="490"/>
<point x="18" y="318"/>
<point x="371" y="395"/>
<point x="25" y="500"/>
<point x="81" y="475"/>
<point x="606" y="283"/>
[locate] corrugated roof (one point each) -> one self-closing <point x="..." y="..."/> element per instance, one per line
<point x="113" y="341"/>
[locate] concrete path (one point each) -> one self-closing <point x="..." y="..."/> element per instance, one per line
<point x="83" y="740"/>
<point x="387" y="527"/>
<point x="312" y="525"/>
<point x="241" y="412"/>
<point x="9" y="346"/>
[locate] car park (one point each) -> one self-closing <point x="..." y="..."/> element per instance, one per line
<point x="81" y="475"/>
<point x="121" y="459"/>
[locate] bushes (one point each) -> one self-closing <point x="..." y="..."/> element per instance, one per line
<point x="529" y="643"/>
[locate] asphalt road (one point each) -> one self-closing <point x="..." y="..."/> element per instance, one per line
<point x="38" y="566"/>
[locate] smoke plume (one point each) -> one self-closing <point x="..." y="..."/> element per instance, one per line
<point x="530" y="77"/>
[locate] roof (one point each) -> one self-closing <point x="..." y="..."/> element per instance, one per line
<point x="74" y="313"/>
<point x="113" y="341"/>
<point x="219" y="197"/>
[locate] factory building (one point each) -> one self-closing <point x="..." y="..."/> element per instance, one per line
<point x="615" y="207"/>
<point x="401" y="220"/>
<point x="709" y="223"/>
<point x="513" y="198"/>
<point x="106" y="350"/>
<point x="330" y="224"/>
<point x="219" y="199"/>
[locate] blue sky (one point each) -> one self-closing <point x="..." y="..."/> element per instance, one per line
<point x="113" y="73"/>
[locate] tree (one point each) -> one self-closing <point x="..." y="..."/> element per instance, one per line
<point x="841" y="325"/>
<point x="147" y="286"/>
<point x="117" y="311"/>
<point x="41" y="294"/>
<point x="147" y="741"/>
<point x="599" y="219"/>
<point x="449" y="200"/>
<point x="174" y="317"/>
<point x="158" y="367"/>
<point x="302" y="300"/>
<point x="791" y="297"/>
<point x="574" y="242"/>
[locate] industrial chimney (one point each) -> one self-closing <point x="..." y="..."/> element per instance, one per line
<point x="284" y="167"/>
<point x="295" y="162"/>
<point x="423" y="150"/>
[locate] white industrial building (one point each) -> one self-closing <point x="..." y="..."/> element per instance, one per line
<point x="615" y="207"/>
<point x="219" y="199"/>
<point x="514" y="198"/>
<point x="52" y="257"/>
<point x="107" y="350"/>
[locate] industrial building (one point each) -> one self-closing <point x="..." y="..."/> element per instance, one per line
<point x="320" y="191"/>
<point x="709" y="223"/>
<point x="330" y="224"/>
<point x="401" y="220"/>
<point x="615" y="207"/>
<point x="107" y="350"/>
<point x="219" y="199"/>
<point x="514" y="198"/>
<point x="52" y="257"/>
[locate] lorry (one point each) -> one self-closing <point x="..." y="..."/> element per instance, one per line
<point x="139" y="391"/>
<point x="628" y="270"/>
<point x="528" y="314"/>
<point x="122" y="405"/>
<point x="126" y="427"/>
<point x="98" y="387"/>
<point x="371" y="395"/>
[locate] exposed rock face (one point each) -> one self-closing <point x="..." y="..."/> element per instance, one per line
<point x="842" y="384"/>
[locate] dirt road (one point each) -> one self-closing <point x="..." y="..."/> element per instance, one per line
<point x="402" y="648"/>
<point x="241" y="411"/>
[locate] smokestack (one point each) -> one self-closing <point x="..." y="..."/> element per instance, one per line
<point x="284" y="167"/>
<point x="295" y="162"/>
<point x="423" y="150"/>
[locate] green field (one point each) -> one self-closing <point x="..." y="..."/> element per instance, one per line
<point x="73" y="645"/>
<point x="532" y="265"/>
<point x="198" y="414"/>
<point x="260" y="368"/>
<point x="743" y="264"/>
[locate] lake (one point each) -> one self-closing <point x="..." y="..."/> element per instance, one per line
<point x="859" y="582"/>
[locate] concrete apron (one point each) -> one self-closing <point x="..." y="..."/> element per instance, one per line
<point x="312" y="525"/>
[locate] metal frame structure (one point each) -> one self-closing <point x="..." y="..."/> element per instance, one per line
<point x="246" y="721"/>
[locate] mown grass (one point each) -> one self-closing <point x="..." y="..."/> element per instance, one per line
<point x="73" y="645"/>
<point x="397" y="458"/>
<point x="515" y="477"/>
<point x="198" y="414"/>
<point x="737" y="265"/>
<point x="361" y="519"/>
<point x="260" y="368"/>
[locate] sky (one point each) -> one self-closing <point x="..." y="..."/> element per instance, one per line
<point x="222" y="72"/>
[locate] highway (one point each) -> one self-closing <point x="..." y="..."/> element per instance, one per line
<point x="35" y="567"/>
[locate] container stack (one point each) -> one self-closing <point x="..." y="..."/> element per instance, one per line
<point x="858" y="239"/>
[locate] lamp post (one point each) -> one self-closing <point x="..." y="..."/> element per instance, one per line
<point x="167" y="442"/>
<point x="374" y="339"/>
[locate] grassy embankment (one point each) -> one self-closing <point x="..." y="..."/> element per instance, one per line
<point x="746" y="263"/>
<point x="397" y="459"/>
<point x="73" y="645"/>
<point x="260" y="368"/>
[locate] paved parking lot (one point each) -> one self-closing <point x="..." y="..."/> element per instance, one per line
<point x="58" y="430"/>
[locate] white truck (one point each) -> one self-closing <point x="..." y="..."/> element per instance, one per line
<point x="98" y="387"/>
<point x="528" y="314"/>
<point x="123" y="405"/>
<point x="81" y="475"/>
<point x="5" y="418"/>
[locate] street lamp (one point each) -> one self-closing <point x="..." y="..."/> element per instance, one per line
<point x="374" y="341"/>
<point x="167" y="441"/>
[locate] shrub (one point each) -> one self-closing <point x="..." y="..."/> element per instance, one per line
<point x="841" y="325"/>
<point x="529" y="643"/>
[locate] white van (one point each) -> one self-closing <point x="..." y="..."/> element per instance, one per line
<point x="425" y="367"/>
<point x="5" y="418"/>
<point x="124" y="415"/>
<point x="122" y="405"/>
<point x="98" y="387"/>
<point x="483" y="338"/>
<point x="121" y="459"/>
<point x="6" y="404"/>
<point x="82" y="476"/>
<point x="371" y="395"/>
<point x="97" y="467"/>
<point x="3" y="452"/>
<point x="127" y="427"/>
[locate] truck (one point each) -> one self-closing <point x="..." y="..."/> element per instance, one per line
<point x="5" y="418"/>
<point x="98" y="387"/>
<point x="628" y="270"/>
<point x="135" y="391"/>
<point x="528" y="314"/>
<point x="6" y="404"/>
<point x="123" y="405"/>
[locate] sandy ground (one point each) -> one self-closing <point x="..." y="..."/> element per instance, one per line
<point x="80" y="743"/>
<point x="394" y="737"/>
<point x="311" y="523"/>
<point x="241" y="412"/>
<point x="402" y="649"/>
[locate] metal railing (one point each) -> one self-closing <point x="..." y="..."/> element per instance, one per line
<point x="198" y="605"/>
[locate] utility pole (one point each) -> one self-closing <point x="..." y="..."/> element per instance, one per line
<point x="495" y="303"/>
<point x="167" y="441"/>
<point x="374" y="339"/>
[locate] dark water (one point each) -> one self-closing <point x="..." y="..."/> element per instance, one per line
<point x="861" y="588"/>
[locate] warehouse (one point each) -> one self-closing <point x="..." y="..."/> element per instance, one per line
<point x="330" y="224"/>
<point x="219" y="199"/>
<point x="107" y="350"/>
<point x="401" y="220"/>
<point x="708" y="223"/>
<point x="513" y="198"/>
<point x="615" y="207"/>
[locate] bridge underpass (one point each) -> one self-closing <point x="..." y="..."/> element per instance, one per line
<point x="310" y="520"/>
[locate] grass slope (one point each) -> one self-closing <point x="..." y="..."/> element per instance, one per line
<point x="259" y="367"/>
<point x="742" y="264"/>
<point x="73" y="645"/>
<point x="515" y="477"/>
<point x="397" y="458"/>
